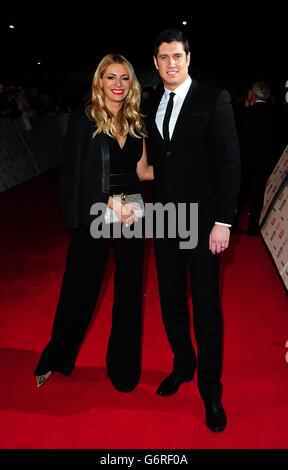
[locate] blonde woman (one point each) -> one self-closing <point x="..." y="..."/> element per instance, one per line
<point x="104" y="156"/>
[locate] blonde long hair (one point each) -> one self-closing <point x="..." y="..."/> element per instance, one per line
<point x="128" y="119"/>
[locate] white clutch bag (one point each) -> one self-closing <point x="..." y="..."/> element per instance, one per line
<point x="135" y="199"/>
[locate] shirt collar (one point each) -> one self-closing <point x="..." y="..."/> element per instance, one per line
<point x="181" y="90"/>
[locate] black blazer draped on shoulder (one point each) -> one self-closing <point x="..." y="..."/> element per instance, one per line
<point x="85" y="170"/>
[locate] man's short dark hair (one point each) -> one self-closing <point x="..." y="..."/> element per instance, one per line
<point x="170" y="35"/>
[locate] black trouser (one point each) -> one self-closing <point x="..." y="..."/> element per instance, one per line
<point x="86" y="261"/>
<point x="172" y="266"/>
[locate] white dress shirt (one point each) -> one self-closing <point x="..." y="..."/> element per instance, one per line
<point x="180" y="95"/>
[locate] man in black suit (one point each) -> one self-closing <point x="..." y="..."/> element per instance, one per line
<point x="193" y="145"/>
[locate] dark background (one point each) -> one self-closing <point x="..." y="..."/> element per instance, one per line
<point x="231" y="44"/>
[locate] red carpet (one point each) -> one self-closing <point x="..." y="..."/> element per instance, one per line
<point x="84" y="411"/>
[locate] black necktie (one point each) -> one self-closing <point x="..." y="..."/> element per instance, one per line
<point x="167" y="116"/>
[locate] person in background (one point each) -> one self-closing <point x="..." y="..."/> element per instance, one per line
<point x="260" y="142"/>
<point x="147" y="95"/>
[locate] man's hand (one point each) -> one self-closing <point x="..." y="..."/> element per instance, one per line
<point x="219" y="238"/>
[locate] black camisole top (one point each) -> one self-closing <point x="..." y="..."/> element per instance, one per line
<point x="123" y="162"/>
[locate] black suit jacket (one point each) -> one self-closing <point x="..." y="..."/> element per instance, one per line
<point x="203" y="159"/>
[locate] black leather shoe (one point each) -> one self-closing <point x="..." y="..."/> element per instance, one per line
<point x="171" y="384"/>
<point x="215" y="416"/>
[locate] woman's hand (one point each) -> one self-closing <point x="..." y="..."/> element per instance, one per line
<point x="125" y="212"/>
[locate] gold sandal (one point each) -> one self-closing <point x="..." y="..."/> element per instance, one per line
<point x="42" y="379"/>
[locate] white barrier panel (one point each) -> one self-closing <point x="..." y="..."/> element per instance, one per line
<point x="45" y="140"/>
<point x="16" y="164"/>
<point x="274" y="182"/>
<point x="275" y="233"/>
<point x="24" y="153"/>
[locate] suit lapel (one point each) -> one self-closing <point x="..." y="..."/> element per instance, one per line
<point x="190" y="97"/>
<point x="156" y="101"/>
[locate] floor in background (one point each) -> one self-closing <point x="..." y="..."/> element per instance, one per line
<point x="84" y="411"/>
